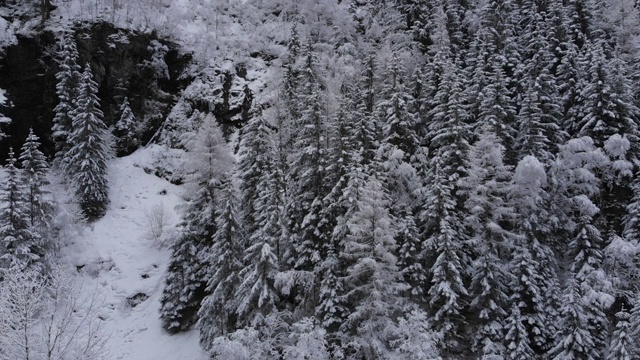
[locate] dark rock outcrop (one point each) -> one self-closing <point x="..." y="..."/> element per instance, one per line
<point x="124" y="63"/>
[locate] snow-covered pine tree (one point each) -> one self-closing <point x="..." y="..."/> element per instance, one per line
<point x="86" y="161"/>
<point x="217" y="312"/>
<point x="439" y="220"/>
<point x="35" y="170"/>
<point x="497" y="109"/>
<point x="516" y="340"/>
<point x="585" y="254"/>
<point x="332" y="305"/>
<point x="485" y="188"/>
<point x="374" y="283"/>
<point x="124" y="130"/>
<point x="409" y="251"/>
<point x="540" y="115"/>
<point x="253" y="159"/>
<point x="400" y="141"/>
<point x="67" y="89"/>
<point x="573" y="341"/>
<point x="607" y="106"/>
<point x="209" y="162"/>
<point x="256" y="295"/>
<point x="533" y="285"/>
<point x="445" y="239"/>
<point x="307" y="188"/>
<point x="634" y="324"/>
<point x="621" y="341"/>
<point x="20" y="245"/>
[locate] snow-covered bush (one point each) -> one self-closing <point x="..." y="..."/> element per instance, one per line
<point x="157" y="225"/>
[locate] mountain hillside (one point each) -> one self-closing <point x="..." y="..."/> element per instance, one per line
<point x="319" y="179"/>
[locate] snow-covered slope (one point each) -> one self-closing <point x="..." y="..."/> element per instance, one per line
<point x="120" y="262"/>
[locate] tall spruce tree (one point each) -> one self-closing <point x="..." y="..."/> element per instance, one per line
<point x="485" y="189"/>
<point x="35" y="171"/>
<point x="375" y="284"/>
<point x="218" y="311"/>
<point x="86" y="162"/>
<point x="307" y="187"/>
<point x="67" y="89"/>
<point x="188" y="272"/>
<point x="20" y="245"/>
<point x="621" y="340"/>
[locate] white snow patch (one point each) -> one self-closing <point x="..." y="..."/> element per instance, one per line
<point x="120" y="263"/>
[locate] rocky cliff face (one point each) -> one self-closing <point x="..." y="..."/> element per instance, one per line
<point x="146" y="69"/>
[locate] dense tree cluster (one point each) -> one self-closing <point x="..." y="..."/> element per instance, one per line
<point x="431" y="179"/>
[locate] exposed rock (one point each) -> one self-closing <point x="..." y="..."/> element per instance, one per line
<point x="122" y="63"/>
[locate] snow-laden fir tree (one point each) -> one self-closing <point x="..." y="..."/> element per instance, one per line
<point x="86" y="161"/>
<point x="485" y="188"/>
<point x="35" y="171"/>
<point x="125" y="129"/>
<point x="256" y="295"/>
<point x="634" y="324"/>
<point x="217" y="313"/>
<point x="374" y="283"/>
<point x="621" y="340"/>
<point x="307" y="187"/>
<point x="574" y="340"/>
<point x="533" y="287"/>
<point x="67" y="89"/>
<point x="440" y="222"/>
<point x="445" y="239"/>
<point x="400" y="141"/>
<point x="332" y="305"/>
<point x="256" y="155"/>
<point x="540" y="115"/>
<point x="516" y="340"/>
<point x="209" y="163"/>
<point x="20" y="245"/>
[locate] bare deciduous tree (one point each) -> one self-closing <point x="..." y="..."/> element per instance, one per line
<point x="49" y="317"/>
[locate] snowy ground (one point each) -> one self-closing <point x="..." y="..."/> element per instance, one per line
<point x="120" y="262"/>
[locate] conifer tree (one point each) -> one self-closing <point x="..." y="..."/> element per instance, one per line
<point x="517" y="340"/>
<point x="307" y="188"/>
<point x="67" y="89"/>
<point x="532" y="266"/>
<point x="20" y="245"/>
<point x="485" y="189"/>
<point x="86" y="162"/>
<point x="401" y="141"/>
<point x="574" y="340"/>
<point x="634" y="324"/>
<point x="409" y="252"/>
<point x="332" y="307"/>
<point x="440" y="222"/>
<point x="256" y="155"/>
<point x="445" y="238"/>
<point x="375" y="285"/>
<point x="256" y="295"/>
<point x="126" y="137"/>
<point x="621" y="340"/>
<point x="188" y="272"/>
<point x="607" y="106"/>
<point x="217" y="313"/>
<point x="35" y="170"/>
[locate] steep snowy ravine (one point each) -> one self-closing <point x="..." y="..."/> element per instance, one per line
<point x="121" y="264"/>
